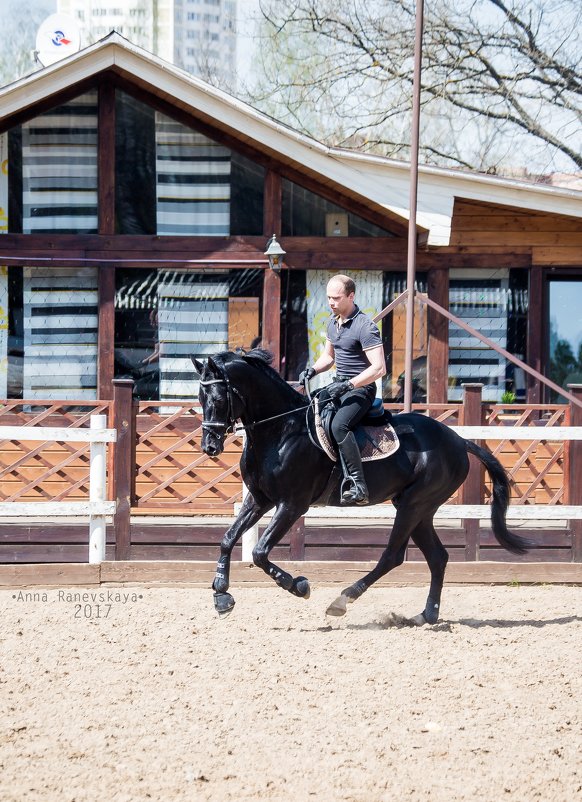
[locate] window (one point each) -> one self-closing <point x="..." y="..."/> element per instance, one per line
<point x="62" y="196"/>
<point x="304" y="214"/>
<point x="164" y="317"/>
<point x="173" y="180"/>
<point x="52" y="332"/>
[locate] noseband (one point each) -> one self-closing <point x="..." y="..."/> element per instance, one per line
<point x="228" y="425"/>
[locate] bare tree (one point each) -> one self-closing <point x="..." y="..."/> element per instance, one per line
<point x="18" y="40"/>
<point x="494" y="72"/>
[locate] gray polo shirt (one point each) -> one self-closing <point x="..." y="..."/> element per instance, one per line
<point x="350" y="340"/>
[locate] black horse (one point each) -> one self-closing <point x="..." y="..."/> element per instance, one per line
<point x="284" y="469"/>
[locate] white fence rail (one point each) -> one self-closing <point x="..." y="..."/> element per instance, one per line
<point x="97" y="508"/>
<point x="516" y="512"/>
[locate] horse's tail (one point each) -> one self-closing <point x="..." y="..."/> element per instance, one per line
<point x="509" y="540"/>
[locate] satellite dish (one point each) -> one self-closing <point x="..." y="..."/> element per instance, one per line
<point x="57" y="37"/>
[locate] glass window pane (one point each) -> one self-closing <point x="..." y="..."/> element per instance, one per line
<point x="192" y="181"/>
<point x="565" y="346"/>
<point x="174" y="180"/>
<point x="247" y="182"/>
<point x="306" y="214"/>
<point x="135" y="166"/>
<point x="59" y="169"/>
<point x="481" y="303"/>
<point x="163" y="318"/>
<point x="59" y="332"/>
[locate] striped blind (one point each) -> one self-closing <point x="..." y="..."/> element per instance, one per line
<point x="192" y="321"/>
<point x="60" y="332"/>
<point x="192" y="182"/>
<point x="59" y="169"/>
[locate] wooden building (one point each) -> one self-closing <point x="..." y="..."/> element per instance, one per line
<point x="137" y="202"/>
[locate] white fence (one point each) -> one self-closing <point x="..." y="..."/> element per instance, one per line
<point x="97" y="508"/>
<point x="516" y="512"/>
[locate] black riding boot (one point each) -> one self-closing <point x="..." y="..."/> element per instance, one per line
<point x="357" y="490"/>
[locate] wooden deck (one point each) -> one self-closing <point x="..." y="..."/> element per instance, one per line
<point x="200" y="574"/>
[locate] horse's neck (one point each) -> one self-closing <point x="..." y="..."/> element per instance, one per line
<point x="267" y="398"/>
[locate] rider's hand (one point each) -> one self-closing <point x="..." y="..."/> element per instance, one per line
<point x="337" y="389"/>
<point x="306" y="375"/>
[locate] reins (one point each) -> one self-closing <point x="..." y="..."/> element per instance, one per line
<point x="230" y="423"/>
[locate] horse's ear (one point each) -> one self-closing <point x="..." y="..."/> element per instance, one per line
<point x="197" y="364"/>
<point x="212" y="365"/>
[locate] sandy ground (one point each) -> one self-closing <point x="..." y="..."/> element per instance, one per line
<point x="162" y="700"/>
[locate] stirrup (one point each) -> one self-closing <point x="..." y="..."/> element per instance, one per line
<point x="357" y="493"/>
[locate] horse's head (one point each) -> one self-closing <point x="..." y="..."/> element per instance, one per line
<point x="216" y="399"/>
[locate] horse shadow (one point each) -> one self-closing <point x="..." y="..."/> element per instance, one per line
<point x="396" y="621"/>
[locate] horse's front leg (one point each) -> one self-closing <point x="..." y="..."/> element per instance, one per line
<point x="250" y="514"/>
<point x="283" y="518"/>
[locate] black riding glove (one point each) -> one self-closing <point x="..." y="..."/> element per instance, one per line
<point x="337" y="389"/>
<point x="306" y="375"/>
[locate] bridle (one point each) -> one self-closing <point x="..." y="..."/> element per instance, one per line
<point x="229" y="424"/>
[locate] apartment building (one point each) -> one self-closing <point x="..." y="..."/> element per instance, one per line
<point x="197" y="35"/>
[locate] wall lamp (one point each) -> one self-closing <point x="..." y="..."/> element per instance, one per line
<point x="275" y="253"/>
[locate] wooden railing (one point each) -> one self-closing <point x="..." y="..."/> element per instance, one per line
<point x="157" y="466"/>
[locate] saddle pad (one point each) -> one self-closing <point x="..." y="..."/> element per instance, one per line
<point x="375" y="442"/>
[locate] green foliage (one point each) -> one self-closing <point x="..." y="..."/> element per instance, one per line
<point x="508" y="397"/>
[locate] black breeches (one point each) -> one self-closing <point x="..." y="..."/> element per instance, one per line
<point x="354" y="406"/>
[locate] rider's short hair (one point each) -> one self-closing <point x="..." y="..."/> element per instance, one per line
<point x="348" y="283"/>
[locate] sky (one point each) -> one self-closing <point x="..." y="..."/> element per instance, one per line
<point x="247" y="12"/>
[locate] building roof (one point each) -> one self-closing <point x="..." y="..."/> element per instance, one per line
<point x="379" y="182"/>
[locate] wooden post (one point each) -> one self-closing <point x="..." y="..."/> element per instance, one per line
<point x="535" y="331"/>
<point x="97" y="492"/>
<point x="124" y="414"/>
<point x="106" y="199"/>
<point x="438" y="337"/>
<point x="271" y="328"/>
<point x="297" y="540"/>
<point x="471" y="490"/>
<point x="106" y="332"/>
<point x="575" y="473"/>
<point x="106" y="159"/>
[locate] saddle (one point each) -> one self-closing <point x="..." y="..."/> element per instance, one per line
<point x="374" y="434"/>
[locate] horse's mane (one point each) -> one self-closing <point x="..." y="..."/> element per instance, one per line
<point x="259" y="358"/>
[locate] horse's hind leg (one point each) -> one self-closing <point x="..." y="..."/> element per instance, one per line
<point x="250" y="513"/>
<point x="393" y="556"/>
<point x="427" y="540"/>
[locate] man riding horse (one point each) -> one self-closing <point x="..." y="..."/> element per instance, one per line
<point x="354" y="343"/>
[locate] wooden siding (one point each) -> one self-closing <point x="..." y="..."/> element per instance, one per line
<point x="551" y="239"/>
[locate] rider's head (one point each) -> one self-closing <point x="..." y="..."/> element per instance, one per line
<point x="340" y="295"/>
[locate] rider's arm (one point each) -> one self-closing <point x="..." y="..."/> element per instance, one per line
<point x="376" y="370"/>
<point x="326" y="359"/>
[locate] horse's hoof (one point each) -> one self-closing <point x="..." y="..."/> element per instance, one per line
<point x="223" y="604"/>
<point x="418" y="620"/>
<point x="300" y="587"/>
<point x="338" y="607"/>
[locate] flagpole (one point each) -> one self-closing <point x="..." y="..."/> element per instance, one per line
<point x="412" y="237"/>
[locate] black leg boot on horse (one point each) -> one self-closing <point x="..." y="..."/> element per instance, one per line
<point x="354" y="487"/>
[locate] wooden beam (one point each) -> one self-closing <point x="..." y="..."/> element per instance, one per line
<point x="106" y="332"/>
<point x="470" y="490"/>
<point x="106" y="159"/>
<point x="535" y="333"/>
<point x="272" y="203"/>
<point x="271" y="322"/>
<point x="438" y="337"/>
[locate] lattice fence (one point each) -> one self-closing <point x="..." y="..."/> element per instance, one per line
<point x="173" y="473"/>
<point x="46" y="471"/>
